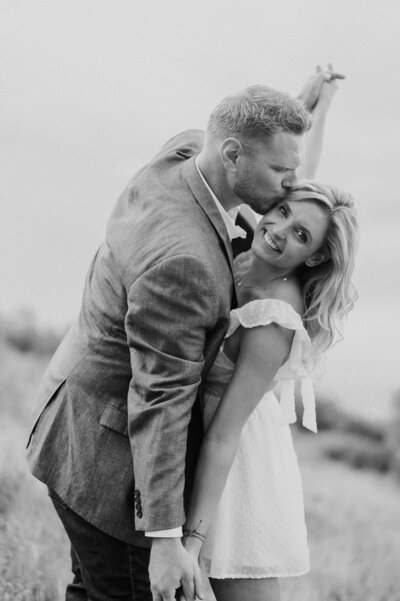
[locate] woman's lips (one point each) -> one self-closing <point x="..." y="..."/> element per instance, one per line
<point x="270" y="242"/>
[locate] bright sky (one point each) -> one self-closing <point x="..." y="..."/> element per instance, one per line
<point x="92" y="88"/>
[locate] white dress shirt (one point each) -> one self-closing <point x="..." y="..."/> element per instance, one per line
<point x="229" y="217"/>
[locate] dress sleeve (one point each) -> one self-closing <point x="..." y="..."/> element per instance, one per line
<point x="298" y="367"/>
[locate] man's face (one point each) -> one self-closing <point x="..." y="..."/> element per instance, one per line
<point x="267" y="170"/>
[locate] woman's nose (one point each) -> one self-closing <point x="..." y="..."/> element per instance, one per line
<point x="279" y="231"/>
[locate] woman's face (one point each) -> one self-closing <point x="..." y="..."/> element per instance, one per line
<point x="291" y="233"/>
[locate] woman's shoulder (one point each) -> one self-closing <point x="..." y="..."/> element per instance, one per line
<point x="277" y="307"/>
<point x="287" y="291"/>
<point x="290" y="292"/>
<point x="280" y="307"/>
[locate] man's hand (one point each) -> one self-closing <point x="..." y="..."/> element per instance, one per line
<point x="171" y="567"/>
<point x="311" y="92"/>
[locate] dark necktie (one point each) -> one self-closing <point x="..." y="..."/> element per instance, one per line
<point x="240" y="245"/>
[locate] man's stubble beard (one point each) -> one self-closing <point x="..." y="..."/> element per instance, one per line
<point x="260" y="204"/>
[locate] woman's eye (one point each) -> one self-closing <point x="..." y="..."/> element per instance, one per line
<point x="302" y="235"/>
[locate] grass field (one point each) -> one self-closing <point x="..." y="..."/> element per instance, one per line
<point x="353" y="515"/>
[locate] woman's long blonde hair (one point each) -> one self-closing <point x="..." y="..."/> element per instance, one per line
<point x="328" y="291"/>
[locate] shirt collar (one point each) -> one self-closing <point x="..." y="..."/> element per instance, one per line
<point x="234" y="231"/>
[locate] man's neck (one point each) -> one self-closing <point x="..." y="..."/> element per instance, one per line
<point x="212" y="169"/>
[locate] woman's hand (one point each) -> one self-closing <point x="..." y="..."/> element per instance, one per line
<point x="320" y="89"/>
<point x="315" y="86"/>
<point x="171" y="566"/>
<point x="192" y="545"/>
<point x="327" y="91"/>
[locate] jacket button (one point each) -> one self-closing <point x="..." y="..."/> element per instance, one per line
<point x="139" y="513"/>
<point x="136" y="494"/>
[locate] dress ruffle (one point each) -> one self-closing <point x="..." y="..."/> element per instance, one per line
<point x="298" y="367"/>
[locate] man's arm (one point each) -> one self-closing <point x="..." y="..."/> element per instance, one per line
<point x="170" y="309"/>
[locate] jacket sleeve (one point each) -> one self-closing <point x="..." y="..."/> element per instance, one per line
<point x="171" y="308"/>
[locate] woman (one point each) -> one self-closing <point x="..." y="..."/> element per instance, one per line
<point x="294" y="286"/>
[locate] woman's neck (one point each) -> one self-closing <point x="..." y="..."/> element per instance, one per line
<point x="255" y="273"/>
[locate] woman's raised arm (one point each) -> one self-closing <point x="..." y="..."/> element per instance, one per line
<point x="315" y="137"/>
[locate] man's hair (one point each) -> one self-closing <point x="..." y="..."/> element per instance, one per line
<point x="258" y="112"/>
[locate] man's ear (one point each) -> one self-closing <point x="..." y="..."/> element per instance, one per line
<point x="316" y="259"/>
<point x="230" y="151"/>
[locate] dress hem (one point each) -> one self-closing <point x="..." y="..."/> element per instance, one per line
<point x="247" y="577"/>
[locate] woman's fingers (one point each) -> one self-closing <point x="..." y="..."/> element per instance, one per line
<point x="311" y="92"/>
<point x="187" y="584"/>
<point x="334" y="74"/>
<point x="192" y="588"/>
<point x="198" y="582"/>
<point x="329" y="73"/>
<point x="163" y="596"/>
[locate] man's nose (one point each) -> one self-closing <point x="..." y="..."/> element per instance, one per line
<point x="289" y="180"/>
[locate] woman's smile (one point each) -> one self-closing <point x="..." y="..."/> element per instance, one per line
<point x="270" y="242"/>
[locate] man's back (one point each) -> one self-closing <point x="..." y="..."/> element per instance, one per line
<point x="123" y="382"/>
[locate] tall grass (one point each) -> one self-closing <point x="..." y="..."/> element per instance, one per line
<point x="353" y="521"/>
<point x="353" y="515"/>
<point x="33" y="546"/>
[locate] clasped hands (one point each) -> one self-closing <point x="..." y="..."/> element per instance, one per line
<point x="174" y="565"/>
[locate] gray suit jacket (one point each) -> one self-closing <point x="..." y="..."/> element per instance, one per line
<point x="110" y="424"/>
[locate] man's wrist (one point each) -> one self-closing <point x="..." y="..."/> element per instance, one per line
<point x="172" y="545"/>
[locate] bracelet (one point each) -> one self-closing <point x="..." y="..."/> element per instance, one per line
<point x="195" y="534"/>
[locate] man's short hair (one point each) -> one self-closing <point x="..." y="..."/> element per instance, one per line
<point x="258" y="112"/>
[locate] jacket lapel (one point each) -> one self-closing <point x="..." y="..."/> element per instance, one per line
<point x="204" y="199"/>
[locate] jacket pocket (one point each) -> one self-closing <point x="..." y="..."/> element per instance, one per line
<point x="115" y="419"/>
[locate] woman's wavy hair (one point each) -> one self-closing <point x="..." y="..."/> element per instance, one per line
<point x="328" y="291"/>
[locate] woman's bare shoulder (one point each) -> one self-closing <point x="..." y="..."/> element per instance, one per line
<point x="288" y="291"/>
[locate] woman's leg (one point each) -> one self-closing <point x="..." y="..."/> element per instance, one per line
<point x="246" y="589"/>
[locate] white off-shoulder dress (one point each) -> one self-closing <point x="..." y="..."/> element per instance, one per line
<point x="259" y="529"/>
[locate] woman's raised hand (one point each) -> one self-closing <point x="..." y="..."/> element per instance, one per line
<point x="322" y="84"/>
<point x="328" y="88"/>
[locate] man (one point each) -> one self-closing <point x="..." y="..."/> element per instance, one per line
<point x="116" y="419"/>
